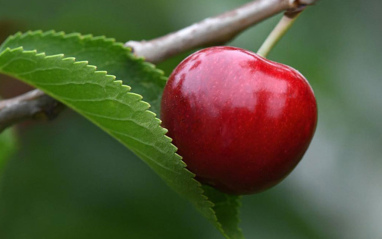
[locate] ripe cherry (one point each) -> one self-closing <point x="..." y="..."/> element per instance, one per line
<point x="241" y="122"/>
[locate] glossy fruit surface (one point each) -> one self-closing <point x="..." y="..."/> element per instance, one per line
<point x="240" y="122"/>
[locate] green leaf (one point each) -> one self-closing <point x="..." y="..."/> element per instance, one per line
<point x="76" y="70"/>
<point x="226" y="208"/>
<point x="102" y="52"/>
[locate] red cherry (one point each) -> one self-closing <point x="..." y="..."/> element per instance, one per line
<point x="240" y="122"/>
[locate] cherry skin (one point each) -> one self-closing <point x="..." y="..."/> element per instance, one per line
<point x="241" y="122"/>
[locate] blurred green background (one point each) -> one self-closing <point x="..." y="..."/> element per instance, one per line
<point x="68" y="179"/>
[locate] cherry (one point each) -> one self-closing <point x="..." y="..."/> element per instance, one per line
<point x="241" y="122"/>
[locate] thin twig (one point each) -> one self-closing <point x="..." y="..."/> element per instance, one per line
<point x="211" y="31"/>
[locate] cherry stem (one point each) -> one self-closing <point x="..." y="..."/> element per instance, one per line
<point x="278" y="32"/>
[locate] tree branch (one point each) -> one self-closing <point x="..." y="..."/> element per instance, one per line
<point x="214" y="30"/>
<point x="34" y="104"/>
<point x="211" y="31"/>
